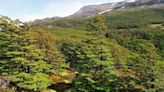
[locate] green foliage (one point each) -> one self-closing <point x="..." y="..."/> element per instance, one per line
<point x="97" y="25"/>
<point x="47" y="43"/>
<point x="130" y="59"/>
<point x="34" y="82"/>
<point x="159" y="43"/>
<point x="75" y="23"/>
<point x="94" y="63"/>
<point x="152" y="35"/>
<point x="143" y="65"/>
<point x="134" y="18"/>
<point x="135" y="59"/>
<point x="23" y="58"/>
<point x="99" y="66"/>
<point x="159" y="68"/>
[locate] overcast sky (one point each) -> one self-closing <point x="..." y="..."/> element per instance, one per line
<point x="27" y="10"/>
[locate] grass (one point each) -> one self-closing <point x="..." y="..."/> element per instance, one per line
<point x="69" y="34"/>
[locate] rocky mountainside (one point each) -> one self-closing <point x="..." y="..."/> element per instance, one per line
<point x="90" y="10"/>
<point x="137" y="3"/>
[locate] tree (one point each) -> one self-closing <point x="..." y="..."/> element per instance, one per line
<point x="159" y="71"/>
<point x="47" y="42"/>
<point x="144" y="66"/>
<point x="93" y="62"/>
<point x="97" y="25"/>
<point x="20" y="59"/>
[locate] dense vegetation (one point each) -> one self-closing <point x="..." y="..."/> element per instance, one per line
<point x="118" y="52"/>
<point x="135" y="18"/>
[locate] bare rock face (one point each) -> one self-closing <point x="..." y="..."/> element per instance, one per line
<point x="91" y="10"/>
<point x="4" y="83"/>
<point x="148" y="2"/>
<point x="137" y="3"/>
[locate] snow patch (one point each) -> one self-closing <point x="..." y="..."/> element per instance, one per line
<point x="105" y="11"/>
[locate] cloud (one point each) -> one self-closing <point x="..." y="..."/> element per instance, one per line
<point x="61" y="8"/>
<point x="31" y="17"/>
<point x="54" y="9"/>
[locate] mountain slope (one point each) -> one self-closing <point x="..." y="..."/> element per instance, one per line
<point x="137" y="3"/>
<point x="129" y="18"/>
<point x="90" y="10"/>
<point x="135" y="18"/>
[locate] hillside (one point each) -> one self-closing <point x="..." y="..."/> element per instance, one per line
<point x="130" y="18"/>
<point x="134" y="37"/>
<point x="132" y="15"/>
<point x="120" y="50"/>
<point x="91" y="10"/>
<point x="135" y="18"/>
<point x="138" y="3"/>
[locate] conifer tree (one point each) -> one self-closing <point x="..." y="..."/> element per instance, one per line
<point x="97" y="25"/>
<point x="47" y="42"/>
<point x="20" y="59"/>
<point x="93" y="62"/>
